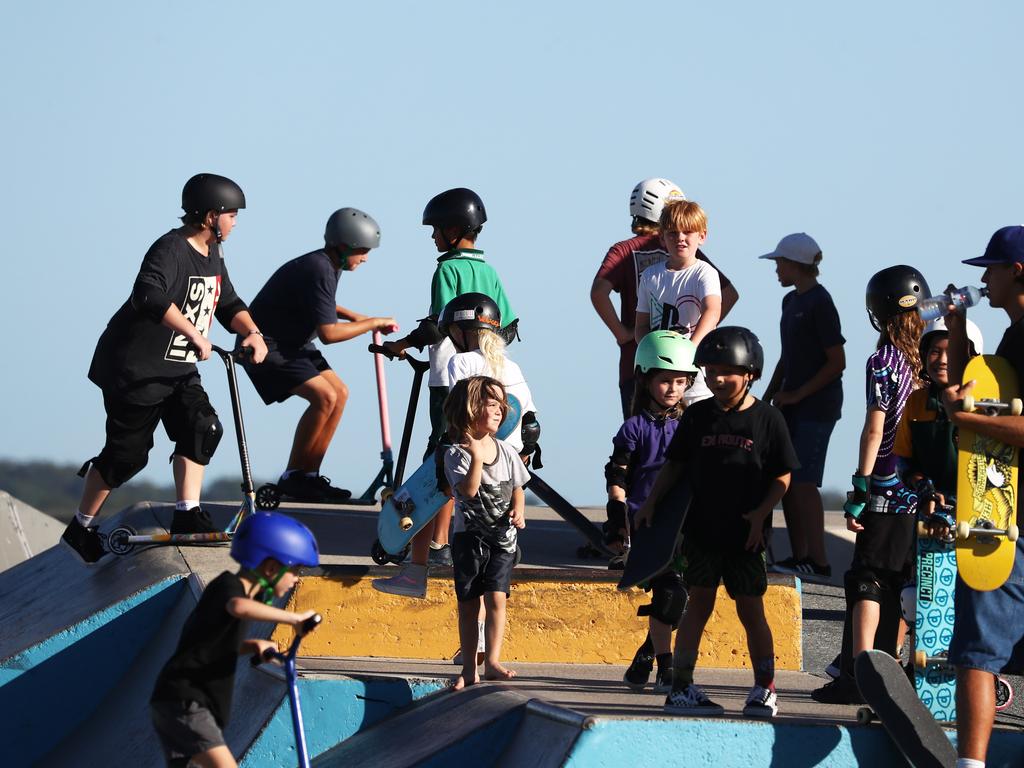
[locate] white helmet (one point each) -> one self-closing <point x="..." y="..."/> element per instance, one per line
<point x="938" y="325"/>
<point x="650" y="196"/>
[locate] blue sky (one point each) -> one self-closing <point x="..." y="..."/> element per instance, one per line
<point x="888" y="131"/>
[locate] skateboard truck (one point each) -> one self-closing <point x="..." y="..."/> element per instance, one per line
<point x="986" y="532"/>
<point x="992" y="407"/>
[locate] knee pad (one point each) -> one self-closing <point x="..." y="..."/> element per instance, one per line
<point x="116" y="470"/>
<point x="206" y="432"/>
<point x="668" y="599"/>
<point x="530" y="432"/>
<point x="908" y="603"/>
<point x="862" y="584"/>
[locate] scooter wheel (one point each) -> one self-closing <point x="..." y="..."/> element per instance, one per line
<point x="865" y="715"/>
<point x="400" y="557"/>
<point x="379" y="554"/>
<point x="117" y="540"/>
<point x="268" y="497"/>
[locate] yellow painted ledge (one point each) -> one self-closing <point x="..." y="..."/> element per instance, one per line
<point x="562" y="617"/>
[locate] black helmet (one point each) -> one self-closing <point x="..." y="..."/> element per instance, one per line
<point x="351" y="228"/>
<point x="459" y="207"/>
<point x="210" y="192"/>
<point x="470" y="311"/>
<point x="893" y="291"/>
<point x="731" y="345"/>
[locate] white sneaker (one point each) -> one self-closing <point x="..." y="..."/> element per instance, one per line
<point x="691" y="700"/>
<point x="411" y="581"/>
<point x="761" y="702"/>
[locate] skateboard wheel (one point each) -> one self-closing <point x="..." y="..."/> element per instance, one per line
<point x="400" y="557"/>
<point x="1004" y="694"/>
<point x="268" y="497"/>
<point x="117" y="540"/>
<point x="967" y="404"/>
<point x="1012" y="532"/>
<point x="1016" y="407"/>
<point x="379" y="554"/>
<point x="920" y="659"/>
<point x="865" y="715"/>
<point x="963" y="530"/>
<point x="405" y="523"/>
<point x="385" y="494"/>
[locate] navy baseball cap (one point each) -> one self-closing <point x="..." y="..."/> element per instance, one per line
<point x="1005" y="247"/>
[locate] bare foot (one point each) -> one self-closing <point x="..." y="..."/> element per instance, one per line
<point x="465" y="679"/>
<point x="497" y="672"/>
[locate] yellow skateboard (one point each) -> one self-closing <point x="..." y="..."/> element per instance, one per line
<point x="986" y="481"/>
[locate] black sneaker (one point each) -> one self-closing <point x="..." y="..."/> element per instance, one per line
<point x="783" y="566"/>
<point x="315" y="490"/>
<point x="195" y="520"/>
<point x="842" y="690"/>
<point x="808" y="570"/>
<point x="833" y="669"/>
<point x="84" y="542"/>
<point x="639" y="671"/>
<point x="441" y="556"/>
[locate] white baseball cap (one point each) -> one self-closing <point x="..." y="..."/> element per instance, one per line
<point x="799" y="247"/>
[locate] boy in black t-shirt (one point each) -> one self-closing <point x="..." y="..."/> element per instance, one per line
<point x="735" y="452"/>
<point x="191" y="702"/>
<point x="295" y="306"/>
<point x="145" y="362"/>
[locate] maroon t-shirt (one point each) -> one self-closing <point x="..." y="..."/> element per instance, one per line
<point x="622" y="267"/>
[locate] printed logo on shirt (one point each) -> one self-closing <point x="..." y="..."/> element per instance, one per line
<point x="645" y="259"/>
<point x="727" y="441"/>
<point x="200" y="303"/>
<point x="665" y="316"/>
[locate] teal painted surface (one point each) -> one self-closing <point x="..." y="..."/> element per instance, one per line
<point x="32" y="657"/>
<point x="332" y="711"/>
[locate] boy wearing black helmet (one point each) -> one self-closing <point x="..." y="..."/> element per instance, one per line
<point x="191" y="702"/>
<point x="735" y="452"/>
<point x="145" y="362"/>
<point x="296" y="305"/>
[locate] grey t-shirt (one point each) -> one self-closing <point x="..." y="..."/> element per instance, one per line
<point x="488" y="514"/>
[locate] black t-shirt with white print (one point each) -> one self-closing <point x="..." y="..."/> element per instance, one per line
<point x="137" y="357"/>
<point x="730" y="459"/>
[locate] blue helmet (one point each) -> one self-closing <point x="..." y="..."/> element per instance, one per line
<point x="267" y="534"/>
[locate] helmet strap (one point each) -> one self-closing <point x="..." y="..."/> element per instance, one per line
<point x="343" y="252"/>
<point x="266" y="586"/>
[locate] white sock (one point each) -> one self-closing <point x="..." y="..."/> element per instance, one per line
<point x="186" y="505"/>
<point x="966" y="762"/>
<point x="435" y="546"/>
<point x="481" y="638"/>
<point x="84" y="520"/>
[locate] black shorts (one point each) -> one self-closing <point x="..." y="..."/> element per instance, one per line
<point x="185" y="728"/>
<point x="480" y="566"/>
<point x="886" y="544"/>
<point x="284" y="370"/>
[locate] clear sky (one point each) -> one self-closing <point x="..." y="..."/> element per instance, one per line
<point x="891" y="132"/>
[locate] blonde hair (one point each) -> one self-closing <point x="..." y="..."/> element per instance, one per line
<point x="683" y="216"/>
<point x="492" y="347"/>
<point x="903" y="331"/>
<point x="642" y="226"/>
<point x="467" y="400"/>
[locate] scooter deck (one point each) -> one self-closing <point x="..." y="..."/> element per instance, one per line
<point x="654" y="547"/>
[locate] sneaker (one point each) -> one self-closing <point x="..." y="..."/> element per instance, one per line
<point x="663" y="681"/>
<point x="761" y="702"/>
<point x="808" y="570"/>
<point x="783" y="566"/>
<point x="833" y="669"/>
<point x="84" y="542"/>
<point x="314" y="490"/>
<point x="639" y="671"/>
<point x="411" y="581"/>
<point x="441" y="556"/>
<point x="691" y="700"/>
<point x="195" y="520"/>
<point x="842" y="690"/>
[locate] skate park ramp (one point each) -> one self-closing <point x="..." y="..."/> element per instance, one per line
<point x="24" y="531"/>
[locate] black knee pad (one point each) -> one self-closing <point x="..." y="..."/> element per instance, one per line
<point x="202" y="435"/>
<point x="862" y="584"/>
<point x="668" y="599"/>
<point x="116" y="470"/>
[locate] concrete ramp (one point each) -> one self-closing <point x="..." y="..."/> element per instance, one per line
<point x="24" y="531"/>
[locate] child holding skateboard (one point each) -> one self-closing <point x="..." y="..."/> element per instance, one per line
<point x="487" y="477"/>
<point x="145" y="362"/>
<point x="621" y="269"/>
<point x="296" y="305"/>
<point x="988" y="631"/>
<point x="682" y="294"/>
<point x="735" y="452"/>
<point x="191" y="703"/>
<point x="881" y="509"/>
<point x="664" y="369"/>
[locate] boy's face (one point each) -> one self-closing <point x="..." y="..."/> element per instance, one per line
<point x="354" y="259"/>
<point x="668" y="387"/>
<point x="289" y="580"/>
<point x="443" y="238"/>
<point x="682" y="246"/>
<point x="226" y="222"/>
<point x="787" y="272"/>
<point x="728" y="383"/>
<point x="935" y="362"/>
<point x="490" y="417"/>
<point x="1002" y="284"/>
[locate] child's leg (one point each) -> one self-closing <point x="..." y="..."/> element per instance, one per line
<point x="468" y="612"/>
<point x="218" y="757"/>
<point x="188" y="478"/>
<point x="435" y="530"/>
<point x="327" y="395"/>
<point x="94" y="494"/>
<point x="494" y="603"/>
<point x="698" y="610"/>
<point x="661" y="636"/>
<point x="760" y="644"/>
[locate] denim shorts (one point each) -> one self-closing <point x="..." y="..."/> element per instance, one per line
<point x="810" y="441"/>
<point x="988" y="631"/>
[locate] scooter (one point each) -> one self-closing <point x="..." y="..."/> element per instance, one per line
<point x="287" y="659"/>
<point x="269" y="496"/>
<point x="123" y="539"/>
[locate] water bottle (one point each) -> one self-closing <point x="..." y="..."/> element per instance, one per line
<point x="961" y="298"/>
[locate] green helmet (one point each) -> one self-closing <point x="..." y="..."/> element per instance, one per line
<point x="666" y="351"/>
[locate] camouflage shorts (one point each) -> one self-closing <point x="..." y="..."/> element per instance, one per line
<point x="744" y="573"/>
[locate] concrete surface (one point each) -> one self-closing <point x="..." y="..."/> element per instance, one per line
<point x="24" y="531"/>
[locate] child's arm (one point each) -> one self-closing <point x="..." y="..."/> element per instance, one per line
<point x="711" y="313"/>
<point x="470" y="485"/>
<point x="246" y="609"/>
<point x="669" y="474"/>
<point x="870" y="440"/>
<point x="330" y="333"/>
<point x="1006" y="429"/>
<point x="757" y="516"/>
<point x="774" y="384"/>
<point x="600" y="297"/>
<point x="518" y="507"/>
<point x="835" y="364"/>
<point x="243" y="324"/>
<point x="348" y="314"/>
<point x="643" y="325"/>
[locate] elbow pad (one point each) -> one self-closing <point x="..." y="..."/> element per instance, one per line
<point x="530" y="432"/>
<point x="150" y="301"/>
<point x="425" y="334"/>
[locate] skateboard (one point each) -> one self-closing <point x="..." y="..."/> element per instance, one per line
<point x="568" y="512"/>
<point x="405" y="512"/>
<point x="654" y="547"/>
<point x="986" y="484"/>
<point x="885" y="687"/>
<point x="934" y="678"/>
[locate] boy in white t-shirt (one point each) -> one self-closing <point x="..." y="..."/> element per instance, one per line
<point x="682" y="294"/>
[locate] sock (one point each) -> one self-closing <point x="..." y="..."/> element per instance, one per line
<point x="764" y="672"/>
<point x="664" y="661"/>
<point x="481" y="637"/>
<point x="288" y="473"/>
<point x="313" y="475"/>
<point x="966" y="762"/>
<point x="84" y="520"/>
<point x="435" y="546"/>
<point x="185" y="505"/>
<point x="683" y="663"/>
